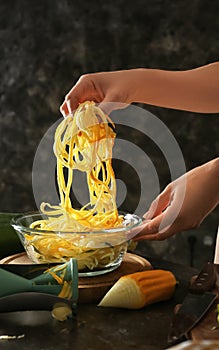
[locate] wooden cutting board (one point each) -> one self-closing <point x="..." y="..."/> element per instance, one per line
<point x="92" y="289"/>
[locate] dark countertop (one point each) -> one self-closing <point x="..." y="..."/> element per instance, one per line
<point x="97" y="328"/>
<point x="94" y="328"/>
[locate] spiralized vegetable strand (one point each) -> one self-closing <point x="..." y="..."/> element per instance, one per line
<point x="83" y="142"/>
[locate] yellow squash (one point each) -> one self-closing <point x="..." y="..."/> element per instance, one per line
<point x="139" y="289"/>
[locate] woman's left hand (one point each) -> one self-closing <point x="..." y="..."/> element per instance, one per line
<point x="184" y="203"/>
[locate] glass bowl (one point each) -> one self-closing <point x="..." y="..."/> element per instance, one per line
<point x="97" y="252"/>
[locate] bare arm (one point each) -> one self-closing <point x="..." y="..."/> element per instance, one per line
<point x="195" y="90"/>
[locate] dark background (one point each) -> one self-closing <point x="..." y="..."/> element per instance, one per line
<point x="47" y="45"/>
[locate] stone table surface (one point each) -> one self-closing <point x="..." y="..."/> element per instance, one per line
<point x="97" y="328"/>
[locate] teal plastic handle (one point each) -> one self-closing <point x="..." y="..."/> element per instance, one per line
<point x="44" y="283"/>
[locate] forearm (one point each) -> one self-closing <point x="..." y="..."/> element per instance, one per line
<point x="194" y="90"/>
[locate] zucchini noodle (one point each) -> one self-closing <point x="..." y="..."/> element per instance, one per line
<point x="83" y="142"/>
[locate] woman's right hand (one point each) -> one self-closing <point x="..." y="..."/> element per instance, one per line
<point x="117" y="87"/>
<point x="194" y="90"/>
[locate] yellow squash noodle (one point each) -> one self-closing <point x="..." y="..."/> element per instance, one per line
<point x="83" y="142"/>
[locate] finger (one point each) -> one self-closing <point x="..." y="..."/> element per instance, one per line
<point x="74" y="97"/>
<point x="151" y="237"/>
<point x="114" y="100"/>
<point x="137" y="230"/>
<point x="83" y="90"/>
<point x="162" y="227"/>
<point x="152" y="226"/>
<point x="159" y="236"/>
<point x="107" y="106"/>
<point x="161" y="223"/>
<point x="64" y="109"/>
<point x="159" y="204"/>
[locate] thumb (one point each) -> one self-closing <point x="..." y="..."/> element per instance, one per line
<point x="111" y="103"/>
<point x="149" y="228"/>
<point x="159" y="204"/>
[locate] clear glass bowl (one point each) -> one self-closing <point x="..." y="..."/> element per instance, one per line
<point x="97" y="252"/>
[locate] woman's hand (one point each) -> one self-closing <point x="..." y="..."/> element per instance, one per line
<point x="183" y="204"/>
<point x="193" y="90"/>
<point x="102" y="88"/>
